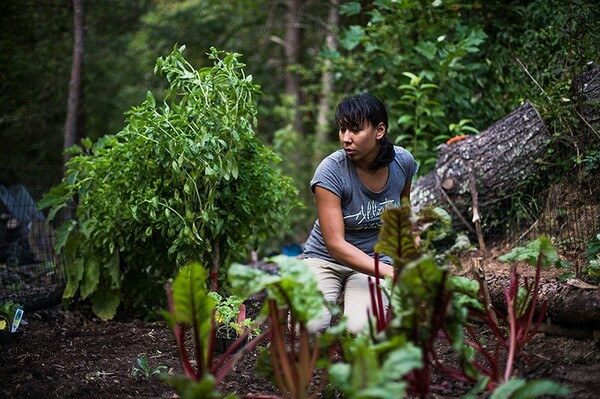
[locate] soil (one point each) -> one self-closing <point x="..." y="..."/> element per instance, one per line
<point x="64" y="354"/>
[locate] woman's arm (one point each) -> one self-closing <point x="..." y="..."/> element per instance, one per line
<point x="405" y="193"/>
<point x="329" y="210"/>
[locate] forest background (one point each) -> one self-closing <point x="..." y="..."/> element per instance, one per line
<point x="444" y="68"/>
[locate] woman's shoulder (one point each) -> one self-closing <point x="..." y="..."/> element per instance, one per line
<point x="335" y="158"/>
<point x="405" y="159"/>
<point x="402" y="154"/>
<point x="401" y="150"/>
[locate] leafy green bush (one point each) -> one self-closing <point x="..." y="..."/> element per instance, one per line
<point x="184" y="181"/>
<point x="432" y="45"/>
<point x="478" y="62"/>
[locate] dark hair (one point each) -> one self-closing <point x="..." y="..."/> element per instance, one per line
<point x="354" y="111"/>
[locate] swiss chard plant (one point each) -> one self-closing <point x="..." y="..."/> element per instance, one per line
<point x="292" y="301"/>
<point x="187" y="179"/>
<point x="428" y="304"/>
<point x="191" y="317"/>
<point x="143" y="369"/>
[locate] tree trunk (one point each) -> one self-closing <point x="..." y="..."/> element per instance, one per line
<point x="569" y="305"/>
<point x="587" y="90"/>
<point x="503" y="156"/>
<point x="75" y="82"/>
<point x="293" y="42"/>
<point x="324" y="108"/>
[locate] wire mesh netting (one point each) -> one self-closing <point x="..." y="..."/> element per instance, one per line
<point x="568" y="213"/>
<point x="31" y="273"/>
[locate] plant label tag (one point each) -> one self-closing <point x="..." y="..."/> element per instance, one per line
<point x="16" y="320"/>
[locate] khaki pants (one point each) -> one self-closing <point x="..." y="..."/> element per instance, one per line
<point x="332" y="279"/>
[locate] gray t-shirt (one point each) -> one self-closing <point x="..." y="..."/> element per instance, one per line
<point x="361" y="207"/>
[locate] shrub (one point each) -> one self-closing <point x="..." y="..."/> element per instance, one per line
<point x="187" y="180"/>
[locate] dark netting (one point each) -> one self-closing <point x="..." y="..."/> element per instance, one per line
<point x="568" y="213"/>
<point x="31" y="273"/>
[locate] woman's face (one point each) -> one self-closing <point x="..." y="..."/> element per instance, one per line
<point x="361" y="143"/>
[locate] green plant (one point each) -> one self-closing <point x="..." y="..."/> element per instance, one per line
<point x="8" y="313"/>
<point x="593" y="247"/>
<point x="374" y="370"/>
<point x="514" y="329"/>
<point x="143" y="368"/>
<point x="591" y="271"/>
<point x="293" y="292"/>
<point x="191" y="307"/>
<point x="420" y="116"/>
<point x="461" y="128"/>
<point x="9" y="308"/>
<point x="432" y="40"/>
<point x="428" y="303"/>
<point x="184" y="180"/>
<point x="230" y="316"/>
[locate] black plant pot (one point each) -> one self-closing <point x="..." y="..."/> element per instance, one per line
<point x="223" y="344"/>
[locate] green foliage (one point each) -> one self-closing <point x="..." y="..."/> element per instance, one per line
<point x="531" y="252"/>
<point x="480" y="61"/>
<point x="420" y="115"/>
<point x="428" y="303"/>
<point x="591" y="271"/>
<point x="293" y="292"/>
<point x="191" y="306"/>
<point x="593" y="247"/>
<point x="8" y="309"/>
<point x="441" y="51"/>
<point x="228" y="322"/>
<point x="295" y="287"/>
<point x="513" y="329"/>
<point x="143" y="368"/>
<point x="538" y="48"/>
<point x="8" y="312"/>
<point x="521" y="389"/>
<point x="184" y="181"/>
<point x="400" y="352"/>
<point x="364" y="374"/>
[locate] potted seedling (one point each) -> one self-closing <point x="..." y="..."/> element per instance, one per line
<point x="230" y="321"/>
<point x="10" y="319"/>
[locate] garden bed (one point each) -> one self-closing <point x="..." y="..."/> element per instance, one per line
<point x="66" y="355"/>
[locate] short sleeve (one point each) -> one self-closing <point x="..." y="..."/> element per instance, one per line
<point x="328" y="176"/>
<point x="407" y="162"/>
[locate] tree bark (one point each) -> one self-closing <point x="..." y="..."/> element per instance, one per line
<point x="75" y="82"/>
<point x="293" y="42"/>
<point x="568" y="305"/>
<point x="324" y="107"/>
<point x="503" y="156"/>
<point x="587" y="90"/>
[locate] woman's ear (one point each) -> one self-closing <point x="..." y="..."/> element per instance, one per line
<point x="380" y="131"/>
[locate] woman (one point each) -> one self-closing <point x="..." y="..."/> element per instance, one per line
<point x="352" y="187"/>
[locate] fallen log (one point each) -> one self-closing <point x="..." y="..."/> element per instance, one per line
<point x="502" y="157"/>
<point x="587" y="90"/>
<point x="569" y="305"/>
